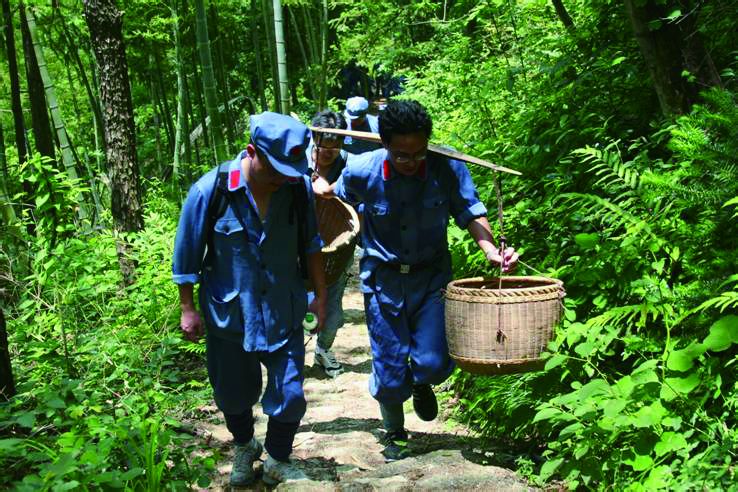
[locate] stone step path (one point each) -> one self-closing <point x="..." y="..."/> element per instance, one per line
<point x="338" y="443"/>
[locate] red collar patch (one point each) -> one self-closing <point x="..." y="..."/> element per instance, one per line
<point x="234" y="179"/>
<point x="386" y="170"/>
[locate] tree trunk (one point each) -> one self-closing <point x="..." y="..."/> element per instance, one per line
<point x="39" y="115"/>
<point x="266" y="9"/>
<point x="166" y="114"/>
<point x="7" y="212"/>
<point x="181" y="117"/>
<point x="284" y="90"/>
<point x="217" y="44"/>
<point x="323" y="54"/>
<point x="563" y="15"/>
<point x="21" y="142"/>
<point x="7" y="383"/>
<point x="670" y="49"/>
<point x="94" y="102"/>
<point x="105" y="23"/>
<point x="305" y="61"/>
<point x="208" y="82"/>
<point x="56" y="116"/>
<point x="257" y="54"/>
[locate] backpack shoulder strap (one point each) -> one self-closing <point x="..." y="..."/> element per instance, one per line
<point x="299" y="209"/>
<point x="218" y="202"/>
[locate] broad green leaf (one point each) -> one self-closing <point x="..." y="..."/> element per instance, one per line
<point x="549" y="467"/>
<point x="640" y="462"/>
<point x="650" y="415"/>
<point x="617" y="61"/>
<point x="683" y="385"/>
<point x="670" y="441"/>
<point x="625" y="385"/>
<point x="659" y="478"/>
<point x="56" y="403"/>
<point x="26" y="420"/>
<point x="570" y="429"/>
<point x="555" y="361"/>
<point x="723" y="333"/>
<point x="547" y="414"/>
<point x="586" y="241"/>
<point x="594" y="387"/>
<point x="611" y="408"/>
<point x="683" y="360"/>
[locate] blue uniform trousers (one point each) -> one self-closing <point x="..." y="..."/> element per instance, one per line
<point x="408" y="347"/>
<point x="235" y="376"/>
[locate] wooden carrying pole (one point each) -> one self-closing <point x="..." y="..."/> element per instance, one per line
<point x="373" y="137"/>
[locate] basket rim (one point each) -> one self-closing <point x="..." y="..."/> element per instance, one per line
<point x="550" y="285"/>
<point x="354" y="220"/>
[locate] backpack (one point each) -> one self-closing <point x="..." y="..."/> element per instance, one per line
<point x="220" y="199"/>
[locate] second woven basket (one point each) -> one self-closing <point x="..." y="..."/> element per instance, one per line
<point x="338" y="225"/>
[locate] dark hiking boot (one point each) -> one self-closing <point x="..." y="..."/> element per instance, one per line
<point x="395" y="446"/>
<point x="424" y="402"/>
<point x="242" y="473"/>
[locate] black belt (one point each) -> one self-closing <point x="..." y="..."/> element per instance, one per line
<point x="405" y="268"/>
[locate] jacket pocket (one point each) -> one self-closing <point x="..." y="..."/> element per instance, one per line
<point x="225" y="311"/>
<point x="434" y="211"/>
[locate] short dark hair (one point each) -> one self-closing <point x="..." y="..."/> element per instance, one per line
<point x="403" y="118"/>
<point x="328" y="119"/>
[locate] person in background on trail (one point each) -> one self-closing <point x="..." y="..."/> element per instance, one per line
<point x="357" y="114"/>
<point x="408" y="195"/>
<point x="327" y="159"/>
<point x="248" y="235"/>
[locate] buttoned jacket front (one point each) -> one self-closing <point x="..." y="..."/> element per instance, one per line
<point x="406" y="220"/>
<point x="250" y="282"/>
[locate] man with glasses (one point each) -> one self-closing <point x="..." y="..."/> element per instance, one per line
<point x="408" y="196"/>
<point x="327" y="159"/>
<point x="240" y="237"/>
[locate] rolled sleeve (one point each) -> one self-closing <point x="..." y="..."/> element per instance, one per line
<point x="189" y="244"/>
<point x="465" y="203"/>
<point x="345" y="188"/>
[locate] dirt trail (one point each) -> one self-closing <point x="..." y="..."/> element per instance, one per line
<point x="338" y="442"/>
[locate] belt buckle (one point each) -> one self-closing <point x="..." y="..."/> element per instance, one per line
<point x="404" y="268"/>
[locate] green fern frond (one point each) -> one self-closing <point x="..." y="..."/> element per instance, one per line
<point x="634" y="314"/>
<point x="608" y="165"/>
<point x="610" y="213"/>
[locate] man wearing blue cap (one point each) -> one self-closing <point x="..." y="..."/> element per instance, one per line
<point x="246" y="233"/>
<point x="408" y="196"/>
<point x="357" y="114"/>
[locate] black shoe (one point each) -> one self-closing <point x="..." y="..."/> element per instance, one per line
<point x="395" y="446"/>
<point x="424" y="402"/>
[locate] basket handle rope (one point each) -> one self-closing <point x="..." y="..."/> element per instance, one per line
<point x="501" y="335"/>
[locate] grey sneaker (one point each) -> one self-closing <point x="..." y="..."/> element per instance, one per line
<point x="327" y="360"/>
<point x="281" y="471"/>
<point x="242" y="472"/>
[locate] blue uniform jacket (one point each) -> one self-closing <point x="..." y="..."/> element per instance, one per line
<point x="406" y="220"/>
<point x="250" y="283"/>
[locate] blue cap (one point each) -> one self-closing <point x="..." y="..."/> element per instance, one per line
<point x="356" y="107"/>
<point x="283" y="140"/>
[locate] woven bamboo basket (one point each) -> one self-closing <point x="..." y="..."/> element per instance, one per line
<point x="338" y="225"/>
<point x="528" y="310"/>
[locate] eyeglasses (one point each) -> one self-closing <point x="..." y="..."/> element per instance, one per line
<point x="405" y="159"/>
<point x="328" y="149"/>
